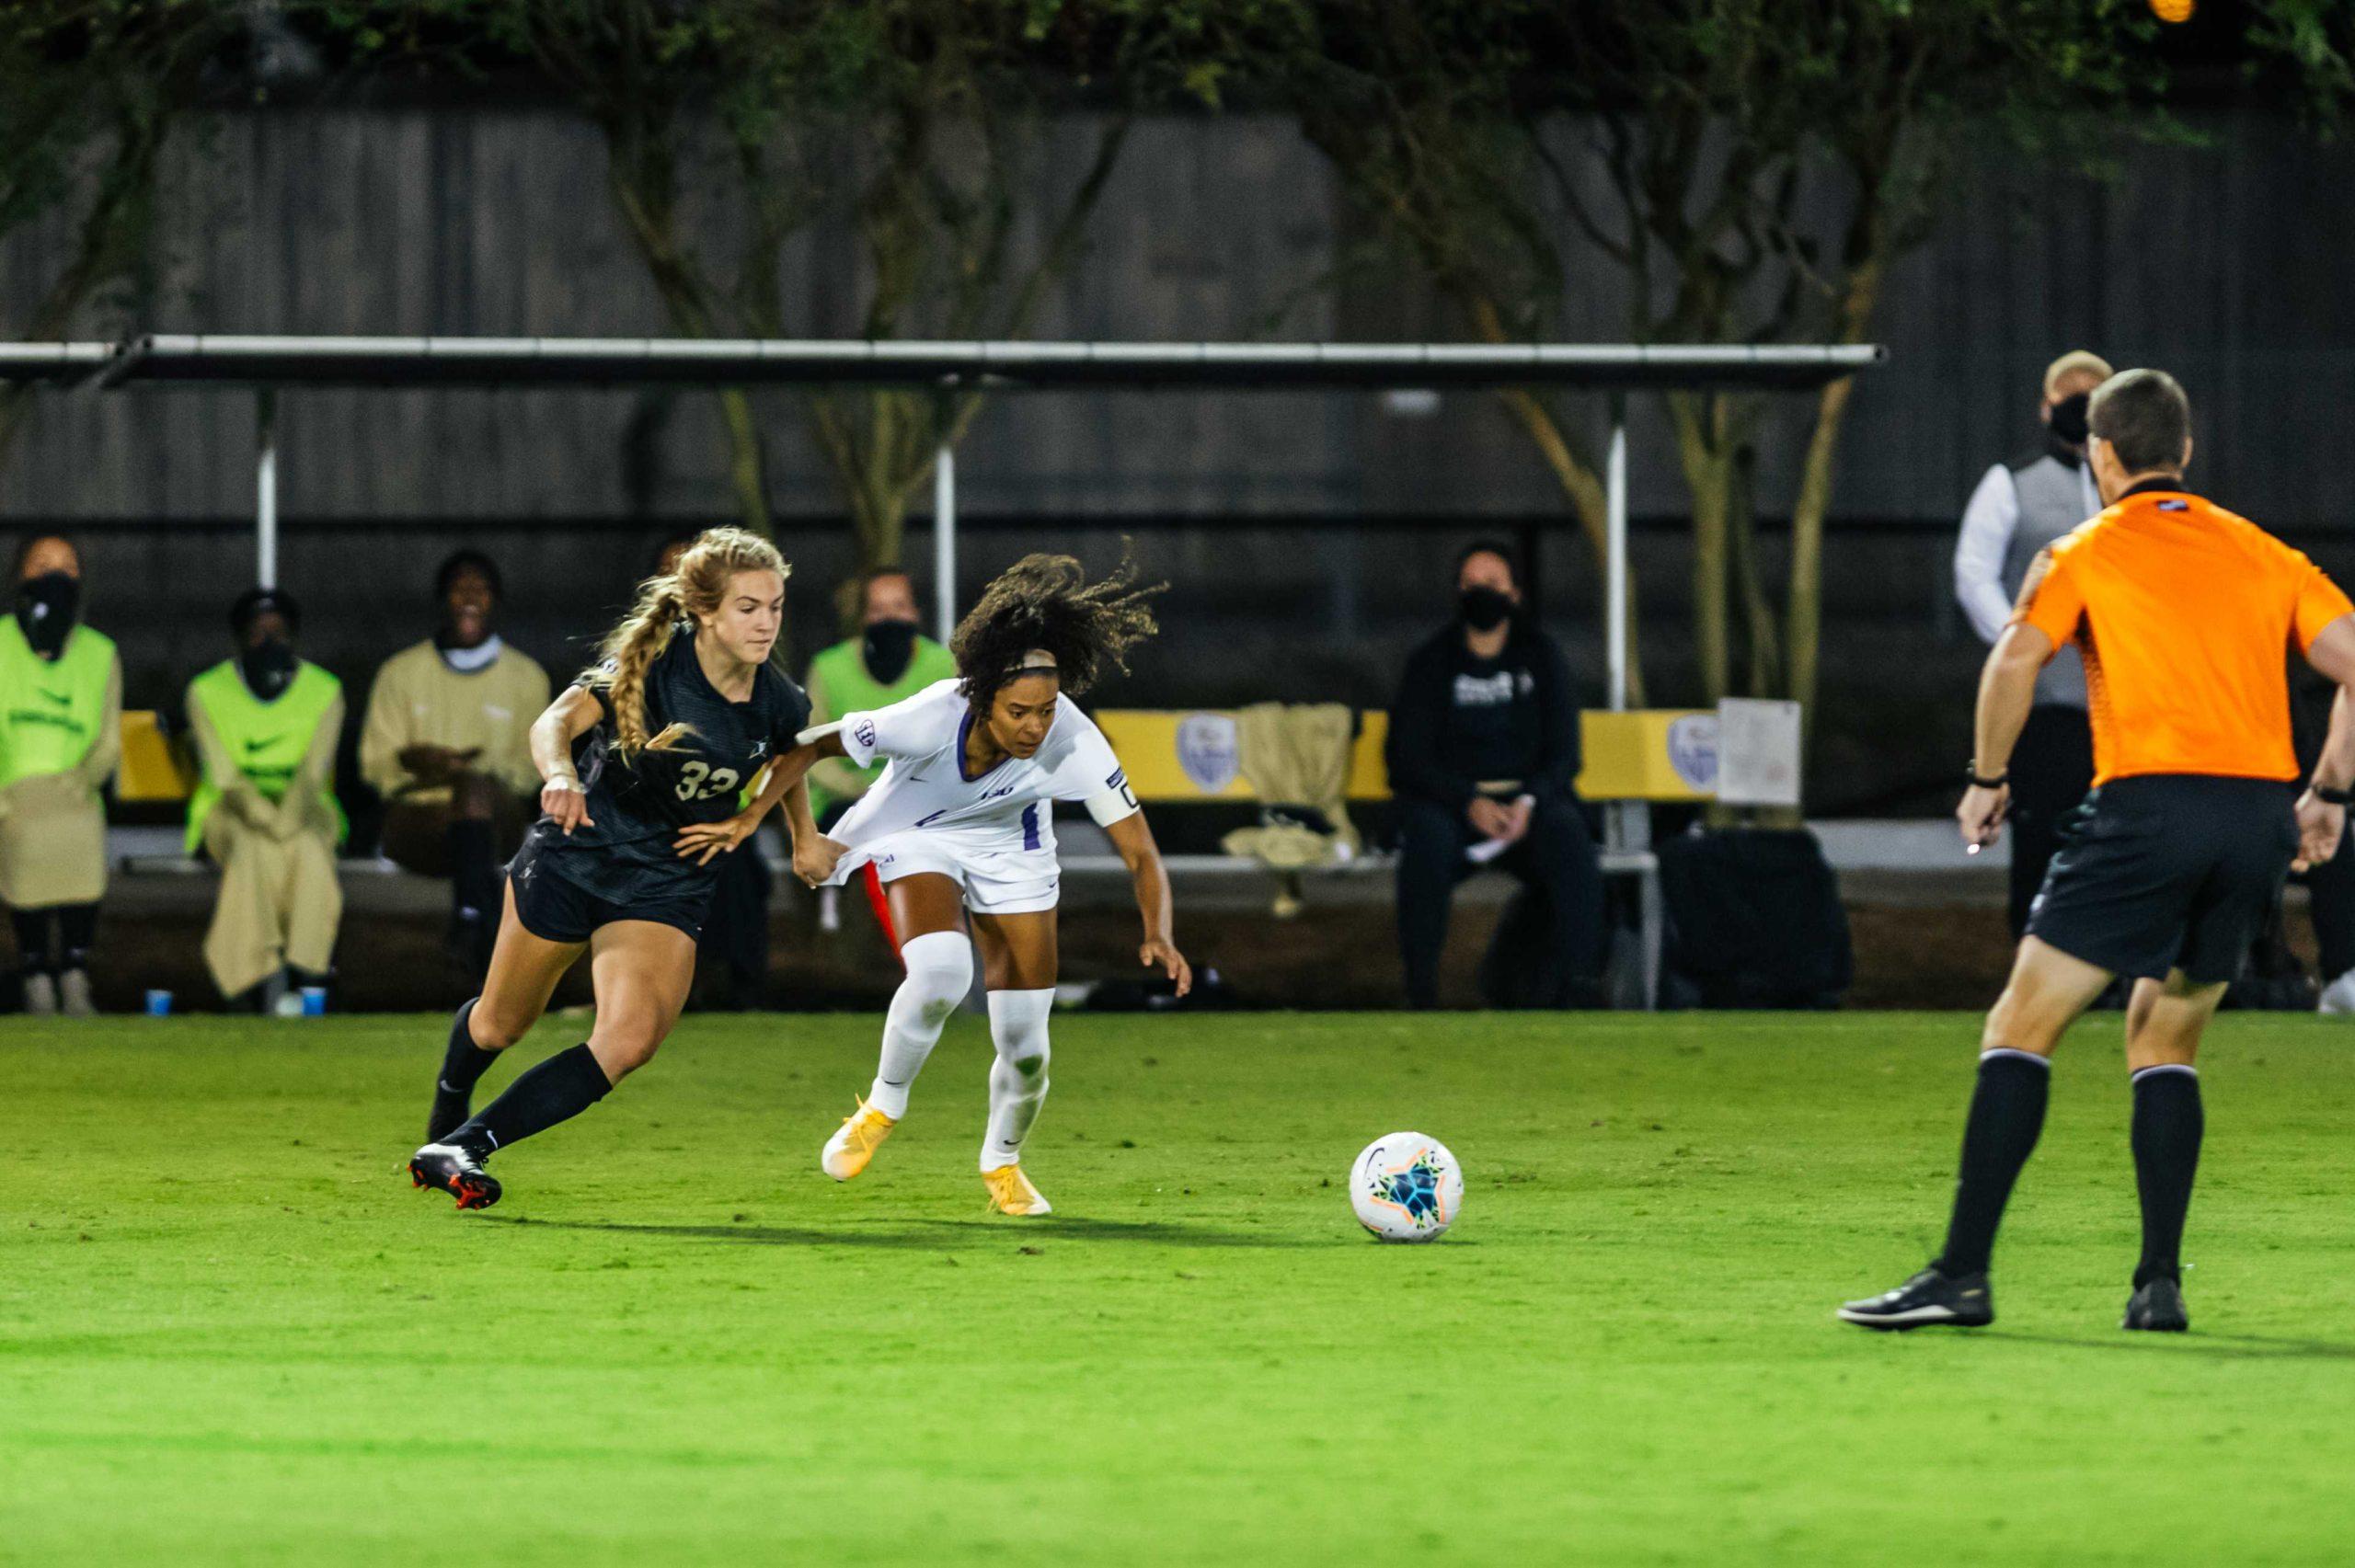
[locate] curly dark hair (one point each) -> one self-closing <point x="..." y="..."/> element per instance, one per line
<point x="1046" y="602"/>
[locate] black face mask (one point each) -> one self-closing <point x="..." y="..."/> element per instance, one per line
<point x="889" y="645"/>
<point x="1484" y="609"/>
<point x="2068" y="424"/>
<point x="45" y="608"/>
<point x="268" y="669"/>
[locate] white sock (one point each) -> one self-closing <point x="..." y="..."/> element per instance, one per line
<point x="1019" y="1074"/>
<point x="940" y="969"/>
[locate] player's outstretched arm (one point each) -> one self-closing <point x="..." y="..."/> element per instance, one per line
<point x="784" y="780"/>
<point x="1142" y="856"/>
<point x="2006" y="691"/>
<point x="2322" y="811"/>
<point x="573" y="715"/>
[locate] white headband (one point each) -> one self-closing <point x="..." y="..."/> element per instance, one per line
<point x="1037" y="658"/>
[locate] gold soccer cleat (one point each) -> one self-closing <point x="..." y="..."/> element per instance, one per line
<point x="849" y="1149"/>
<point x="1011" y="1193"/>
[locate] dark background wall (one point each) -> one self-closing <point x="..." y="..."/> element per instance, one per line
<point x="2223" y="262"/>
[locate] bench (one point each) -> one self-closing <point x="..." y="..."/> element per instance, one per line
<point x="1631" y="760"/>
<point x="1178" y="758"/>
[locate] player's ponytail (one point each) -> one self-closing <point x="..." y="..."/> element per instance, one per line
<point x="692" y="589"/>
<point x="630" y="650"/>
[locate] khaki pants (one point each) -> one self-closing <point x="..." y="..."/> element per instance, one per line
<point x="280" y="903"/>
<point x="52" y="843"/>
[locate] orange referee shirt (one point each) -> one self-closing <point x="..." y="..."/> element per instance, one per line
<point x="2185" y="613"/>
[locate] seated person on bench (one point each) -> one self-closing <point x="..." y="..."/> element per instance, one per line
<point x="266" y="724"/>
<point x="1483" y="754"/>
<point x="447" y="743"/>
<point x="60" y="717"/>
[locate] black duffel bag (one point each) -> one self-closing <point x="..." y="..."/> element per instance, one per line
<point x="1754" y="919"/>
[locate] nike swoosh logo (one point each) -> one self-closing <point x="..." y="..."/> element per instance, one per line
<point x="254" y="746"/>
<point x="445" y="1085"/>
<point x="62" y="699"/>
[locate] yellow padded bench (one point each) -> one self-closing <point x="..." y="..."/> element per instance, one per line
<point x="153" y="769"/>
<point x="1189" y="756"/>
<point x="1629" y="761"/>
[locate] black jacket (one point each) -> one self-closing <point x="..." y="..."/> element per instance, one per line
<point x="1460" y="720"/>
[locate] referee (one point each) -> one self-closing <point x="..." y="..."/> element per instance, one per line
<point x="2182" y="612"/>
<point x="2017" y="509"/>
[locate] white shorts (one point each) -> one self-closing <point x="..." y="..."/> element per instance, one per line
<point x="999" y="876"/>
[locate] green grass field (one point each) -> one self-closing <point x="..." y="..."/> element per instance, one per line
<point x="230" y="1332"/>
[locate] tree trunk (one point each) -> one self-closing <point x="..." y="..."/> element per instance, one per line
<point x="110" y="244"/>
<point x="1760" y="641"/>
<point x="638" y="187"/>
<point x="1590" y="502"/>
<point x="1588" y="499"/>
<point x="1804" y="629"/>
<point x="1706" y="474"/>
<point x="747" y="470"/>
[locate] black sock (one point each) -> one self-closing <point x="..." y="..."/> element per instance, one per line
<point x="77" y="928"/>
<point x="474" y="871"/>
<point x="2007" y="1114"/>
<point x="32" y="927"/>
<point x="557" y="1090"/>
<point x="463" y="1062"/>
<point x="2169" y="1122"/>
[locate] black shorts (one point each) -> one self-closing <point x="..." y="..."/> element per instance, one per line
<point x="554" y="908"/>
<point x="2168" y="871"/>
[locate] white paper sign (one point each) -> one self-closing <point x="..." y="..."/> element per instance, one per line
<point x="1758" y="752"/>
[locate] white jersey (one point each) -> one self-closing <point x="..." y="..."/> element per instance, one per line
<point x="921" y="741"/>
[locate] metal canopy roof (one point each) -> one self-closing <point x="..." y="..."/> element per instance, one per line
<point x="282" y="361"/>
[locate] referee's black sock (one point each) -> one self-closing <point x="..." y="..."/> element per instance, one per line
<point x="2007" y="1114"/>
<point x="2169" y="1122"/>
<point x="557" y="1090"/>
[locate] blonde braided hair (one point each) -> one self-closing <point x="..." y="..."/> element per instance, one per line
<point x="692" y="588"/>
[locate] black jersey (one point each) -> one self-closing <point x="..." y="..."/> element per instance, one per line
<point x="639" y="805"/>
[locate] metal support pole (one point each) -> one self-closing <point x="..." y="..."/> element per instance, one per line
<point x="1615" y="592"/>
<point x="1627" y="824"/>
<point x="943" y="538"/>
<point x="266" y="488"/>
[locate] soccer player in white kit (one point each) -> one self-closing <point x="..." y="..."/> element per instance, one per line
<point x="960" y="829"/>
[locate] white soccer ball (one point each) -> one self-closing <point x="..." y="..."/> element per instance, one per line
<point x="1407" y="1187"/>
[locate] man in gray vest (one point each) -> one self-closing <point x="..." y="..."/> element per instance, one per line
<point x="2017" y="509"/>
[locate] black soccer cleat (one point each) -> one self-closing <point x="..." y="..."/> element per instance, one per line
<point x="1929" y="1300"/>
<point x="451" y="1109"/>
<point x="2157" y="1308"/>
<point x="453" y="1168"/>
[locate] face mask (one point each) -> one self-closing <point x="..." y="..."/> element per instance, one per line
<point x="2069" y="419"/>
<point x="889" y="645"/>
<point x="45" y="607"/>
<point x="268" y="669"/>
<point x="1484" y="609"/>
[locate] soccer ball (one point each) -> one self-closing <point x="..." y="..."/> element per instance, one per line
<point x="1407" y="1187"/>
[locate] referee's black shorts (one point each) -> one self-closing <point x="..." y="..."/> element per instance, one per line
<point x="2169" y="870"/>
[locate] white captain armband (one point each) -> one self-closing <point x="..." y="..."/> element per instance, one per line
<point x="818" y="732"/>
<point x="1116" y="802"/>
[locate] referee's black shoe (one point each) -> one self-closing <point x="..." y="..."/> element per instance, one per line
<point x="453" y="1168"/>
<point x="2158" y="1307"/>
<point x="1928" y="1300"/>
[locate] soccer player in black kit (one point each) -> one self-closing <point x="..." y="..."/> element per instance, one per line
<point x="683" y="712"/>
